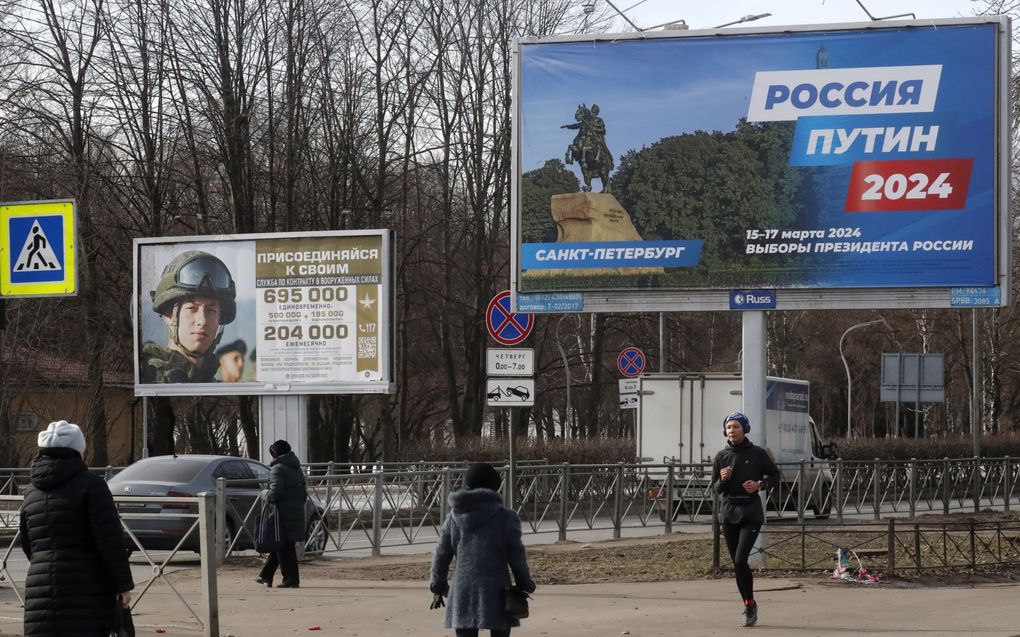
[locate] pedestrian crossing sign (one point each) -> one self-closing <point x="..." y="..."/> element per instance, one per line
<point x="37" y="249"/>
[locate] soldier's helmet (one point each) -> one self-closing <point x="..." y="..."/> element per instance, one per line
<point x="195" y="273"/>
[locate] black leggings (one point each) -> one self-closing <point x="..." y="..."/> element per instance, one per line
<point x="473" y="632"/>
<point x="740" y="540"/>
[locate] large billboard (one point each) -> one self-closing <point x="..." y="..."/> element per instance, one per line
<point x="263" y="314"/>
<point x="837" y="166"/>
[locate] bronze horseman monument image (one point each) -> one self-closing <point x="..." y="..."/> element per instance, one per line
<point x="589" y="216"/>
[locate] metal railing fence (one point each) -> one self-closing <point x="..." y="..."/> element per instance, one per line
<point x="202" y="517"/>
<point x="406" y="504"/>
<point x="894" y="546"/>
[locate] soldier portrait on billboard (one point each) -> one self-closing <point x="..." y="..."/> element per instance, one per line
<point x="231" y="359"/>
<point x="195" y="297"/>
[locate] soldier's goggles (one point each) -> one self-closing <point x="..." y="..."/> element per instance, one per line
<point x="195" y="273"/>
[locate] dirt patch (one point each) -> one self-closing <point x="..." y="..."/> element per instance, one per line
<point x="984" y="516"/>
<point x="677" y="557"/>
<point x="658" y="559"/>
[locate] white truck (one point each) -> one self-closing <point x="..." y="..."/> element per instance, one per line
<point x="680" y="421"/>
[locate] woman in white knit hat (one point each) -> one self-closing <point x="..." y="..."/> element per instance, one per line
<point x="71" y="534"/>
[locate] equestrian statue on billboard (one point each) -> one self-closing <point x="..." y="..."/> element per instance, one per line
<point x="589" y="147"/>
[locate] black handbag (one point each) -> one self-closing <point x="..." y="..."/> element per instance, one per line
<point x="515" y="602"/>
<point x="123" y="625"/>
<point x="268" y="536"/>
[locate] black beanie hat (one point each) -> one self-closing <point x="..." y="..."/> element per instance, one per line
<point x="279" y="448"/>
<point x="482" y="475"/>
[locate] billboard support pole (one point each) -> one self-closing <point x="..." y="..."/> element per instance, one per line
<point x="753" y="376"/>
<point x="145" y="426"/>
<point x="975" y="393"/>
<point x="753" y="388"/>
<point x="899" y="389"/>
<point x="917" y="400"/>
<point x="662" y="342"/>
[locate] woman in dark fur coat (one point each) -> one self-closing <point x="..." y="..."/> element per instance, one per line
<point x="485" y="537"/>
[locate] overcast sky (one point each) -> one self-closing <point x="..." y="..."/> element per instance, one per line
<point x="700" y="14"/>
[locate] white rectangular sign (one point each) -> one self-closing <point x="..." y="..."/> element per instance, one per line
<point x="314" y="306"/>
<point x="628" y="401"/>
<point x="628" y="386"/>
<point x="510" y="392"/>
<point x="787" y="95"/>
<point x="519" y="361"/>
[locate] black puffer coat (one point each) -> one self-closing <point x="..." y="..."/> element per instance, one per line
<point x="287" y="492"/>
<point x="71" y="533"/>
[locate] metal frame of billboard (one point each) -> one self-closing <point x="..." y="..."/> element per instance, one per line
<point x="384" y="385"/>
<point x="704" y="299"/>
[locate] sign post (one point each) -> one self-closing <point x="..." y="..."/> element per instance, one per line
<point x="513" y="368"/>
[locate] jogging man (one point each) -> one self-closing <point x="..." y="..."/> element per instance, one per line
<point x="739" y="472"/>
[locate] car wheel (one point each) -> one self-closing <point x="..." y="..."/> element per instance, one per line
<point x="822" y="511"/>
<point x="228" y="536"/>
<point x="316" y="536"/>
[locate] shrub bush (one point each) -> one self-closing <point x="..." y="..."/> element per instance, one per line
<point x="611" y="450"/>
<point x="580" y="451"/>
<point x="927" y="448"/>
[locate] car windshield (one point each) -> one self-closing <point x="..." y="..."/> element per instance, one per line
<point x="162" y="470"/>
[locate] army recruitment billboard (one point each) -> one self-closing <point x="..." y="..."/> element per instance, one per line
<point x="263" y="314"/>
<point x="837" y="166"/>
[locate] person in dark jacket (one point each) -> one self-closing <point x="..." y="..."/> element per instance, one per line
<point x="287" y="491"/>
<point x="484" y="536"/>
<point x="72" y="536"/>
<point x="739" y="472"/>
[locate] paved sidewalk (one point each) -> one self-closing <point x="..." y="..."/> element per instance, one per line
<point x="808" y="607"/>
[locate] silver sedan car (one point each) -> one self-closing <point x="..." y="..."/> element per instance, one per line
<point x="161" y="526"/>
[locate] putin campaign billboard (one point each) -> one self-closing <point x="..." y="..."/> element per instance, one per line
<point x="264" y="314"/>
<point x="832" y="166"/>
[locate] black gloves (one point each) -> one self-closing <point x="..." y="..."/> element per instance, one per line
<point x="437" y="601"/>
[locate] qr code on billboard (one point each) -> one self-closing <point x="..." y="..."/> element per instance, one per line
<point x="368" y="347"/>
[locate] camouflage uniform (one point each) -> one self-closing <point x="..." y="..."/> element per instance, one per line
<point x="164" y="365"/>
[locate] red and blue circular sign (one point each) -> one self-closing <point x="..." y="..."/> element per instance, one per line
<point x="631" y="362"/>
<point x="508" y="328"/>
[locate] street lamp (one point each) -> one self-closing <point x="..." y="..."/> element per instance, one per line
<point x="888" y="17"/>
<point x="746" y="18"/>
<point x="849" y="384"/>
